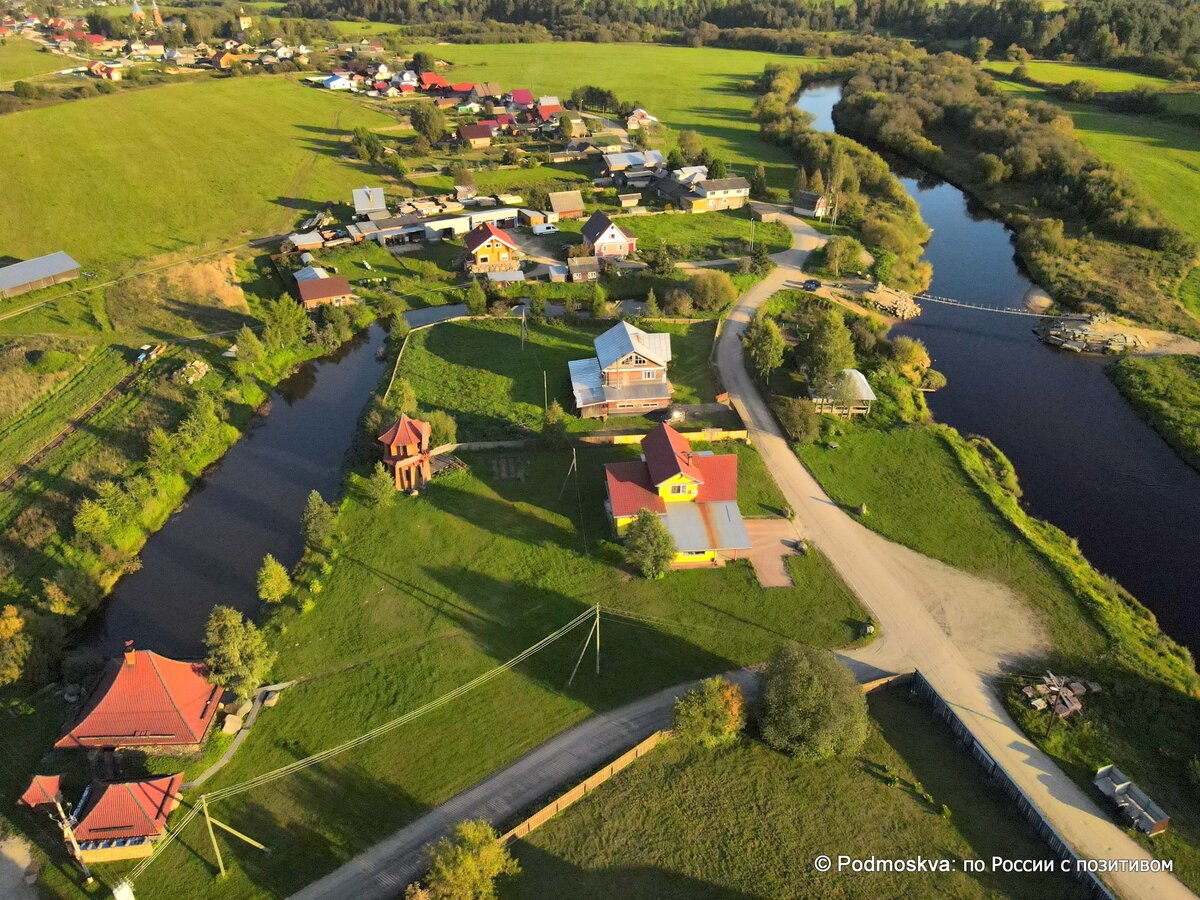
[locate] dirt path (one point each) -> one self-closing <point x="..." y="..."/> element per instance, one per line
<point x="15" y="861"/>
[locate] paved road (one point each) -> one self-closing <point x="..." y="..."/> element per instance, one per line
<point x="881" y="575"/>
<point x="383" y="871"/>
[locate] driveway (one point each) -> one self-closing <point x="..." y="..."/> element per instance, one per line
<point x="772" y="541"/>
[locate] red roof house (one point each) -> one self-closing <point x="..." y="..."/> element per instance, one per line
<point x="406" y="452"/>
<point x="43" y="790"/>
<point x="492" y="250"/>
<point x="128" y="809"/>
<point x="146" y="700"/>
<point x="94" y="40"/>
<point x="431" y="80"/>
<point x="334" y="291"/>
<point x="547" y="113"/>
<point x="477" y="135"/>
<point x="522" y="97"/>
<point x="463" y="87"/>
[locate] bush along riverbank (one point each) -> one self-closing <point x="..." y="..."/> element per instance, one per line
<point x="1084" y="231"/>
<point x="85" y="547"/>
<point x="957" y="498"/>
<point x="1165" y="390"/>
<point x="870" y="200"/>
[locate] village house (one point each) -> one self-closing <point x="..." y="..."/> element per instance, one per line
<point x="639" y="119"/>
<point x="486" y="93"/>
<point x="180" y="57"/>
<point x="566" y="204"/>
<point x="492" y="250"/>
<point x="520" y="99"/>
<point x="811" y="204"/>
<point x="369" y="202"/>
<point x="406" y="452"/>
<point x="635" y="168"/>
<point x="693" y="493"/>
<point x="848" y="395"/>
<point x="337" y="83"/>
<point x="607" y="240"/>
<point x="627" y="376"/>
<point x="475" y="136"/>
<point x="431" y="81"/>
<point x="572" y="125"/>
<point x="224" y="59"/>
<point x="583" y="268"/>
<point x="691" y="190"/>
<point x="146" y="700"/>
<point x="324" y="290"/>
<point x="109" y="71"/>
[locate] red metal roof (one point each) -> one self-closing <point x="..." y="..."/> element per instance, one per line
<point x="432" y="80"/>
<point x="545" y="112"/>
<point x="406" y="431"/>
<point x="630" y="489"/>
<point x="324" y="288"/>
<point x="145" y="700"/>
<point x="43" y="789"/>
<point x="480" y="234"/>
<point x="668" y="454"/>
<point x="523" y="97"/>
<point x="129" y="809"/>
<point x="463" y="87"/>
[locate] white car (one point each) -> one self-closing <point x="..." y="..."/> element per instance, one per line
<point x="545" y="228"/>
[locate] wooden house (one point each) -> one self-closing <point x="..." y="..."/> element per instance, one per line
<point x="627" y="376"/>
<point x="492" y="250"/>
<point x="811" y="204"/>
<point x="566" y="204"/>
<point x="406" y="452"/>
<point x="475" y="136"/>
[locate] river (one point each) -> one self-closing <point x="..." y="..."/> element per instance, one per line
<point x="245" y="506"/>
<point x="1086" y="461"/>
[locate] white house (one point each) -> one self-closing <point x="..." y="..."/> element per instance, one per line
<point x="336" y="83"/>
<point x="606" y="239"/>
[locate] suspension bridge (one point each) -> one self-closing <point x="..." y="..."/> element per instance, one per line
<point x="1006" y="310"/>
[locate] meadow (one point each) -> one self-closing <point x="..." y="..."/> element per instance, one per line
<point x="685" y="88"/>
<point x="175" y="168"/>
<point x="431" y="592"/>
<point x="1053" y="72"/>
<point x="20" y="59"/>
<point x="636" y="837"/>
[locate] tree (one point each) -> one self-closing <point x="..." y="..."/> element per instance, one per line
<point x="423" y="61"/>
<point x="599" y="301"/>
<point x="979" y="48"/>
<point x="428" y="121"/>
<point x="274" y="583"/>
<point x="675" y="159"/>
<point x="816" y="183"/>
<point x="690" y="145"/>
<point x="460" y="174"/>
<point x="250" y="350"/>
<point x="443" y="428"/>
<point x="15" y="644"/>
<point x="718" y="169"/>
<point x="842" y="252"/>
<point x="476" y="299"/>
<point x="649" y="547"/>
<point x="381" y="486"/>
<point x="286" y="324"/>
<point x="799" y="417"/>
<point x="465" y="865"/>
<point x="27" y="91"/>
<point x="799" y="183"/>
<point x="712" y="289"/>
<point x="764" y="345"/>
<point x="318" y="522"/>
<point x="811" y="706"/>
<point x="238" y="656"/>
<point x="554" y="425"/>
<point x="651" y="309"/>
<point x="405" y="398"/>
<point x="711" y="715"/>
<point x="679" y="302"/>
<point x="830" y="350"/>
<point x="759" y="188"/>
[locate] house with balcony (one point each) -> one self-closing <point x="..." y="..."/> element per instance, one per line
<point x="626" y="377"/>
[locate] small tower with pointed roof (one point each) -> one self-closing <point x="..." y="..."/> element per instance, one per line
<point x="137" y="13"/>
<point x="156" y="14"/>
<point x="244" y="22"/>
<point x="406" y="452"/>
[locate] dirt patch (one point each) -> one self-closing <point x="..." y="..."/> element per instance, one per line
<point x="772" y="542"/>
<point x="16" y="863"/>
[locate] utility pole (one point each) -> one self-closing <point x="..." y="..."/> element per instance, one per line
<point x="64" y="822"/>
<point x="597" y="639"/>
<point x="545" y="393"/>
<point x="212" y="837"/>
<point x="522" y="328"/>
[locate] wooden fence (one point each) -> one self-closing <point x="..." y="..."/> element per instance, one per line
<point x="582" y="789"/>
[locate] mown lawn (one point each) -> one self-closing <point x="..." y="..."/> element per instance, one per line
<point x="766" y="817"/>
<point x="714" y="235"/>
<point x="477" y="372"/>
<point x="491" y="181"/>
<point x="436" y="590"/>
<point x="207" y="163"/>
<point x="686" y="88"/>
<point x="20" y="59"/>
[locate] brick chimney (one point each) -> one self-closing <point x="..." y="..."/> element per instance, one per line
<point x="130" y="653"/>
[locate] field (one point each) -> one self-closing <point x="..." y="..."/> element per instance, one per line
<point x="209" y="163"/>
<point x="20" y="58"/>
<point x="476" y="372"/>
<point x="500" y="180"/>
<point x="1107" y="80"/>
<point x="430" y="593"/>
<point x="712" y="235"/>
<point x="766" y="817"/>
<point x="686" y="88"/>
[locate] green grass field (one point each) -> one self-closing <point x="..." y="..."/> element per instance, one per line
<point x="686" y="88"/>
<point x="20" y="58"/>
<point x="476" y="372"/>
<point x="429" y="594"/>
<point x="766" y="817"/>
<point x="498" y="180"/>
<point x="707" y="235"/>
<point x="1166" y="391"/>
<point x="1108" y="80"/>
<point x="208" y="163"/>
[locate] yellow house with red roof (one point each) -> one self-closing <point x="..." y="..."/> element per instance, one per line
<point x="693" y="492"/>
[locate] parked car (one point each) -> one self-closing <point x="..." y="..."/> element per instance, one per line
<point x="811" y="285"/>
<point x="545" y="228"/>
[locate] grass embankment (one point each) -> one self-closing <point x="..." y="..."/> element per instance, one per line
<point x="686" y="88"/>
<point x="1165" y="390"/>
<point x="715" y="235"/>
<point x="258" y="153"/>
<point x="430" y="593"/>
<point x="477" y="372"/>
<point x="767" y="817"/>
<point x="20" y="59"/>
<point x="952" y="499"/>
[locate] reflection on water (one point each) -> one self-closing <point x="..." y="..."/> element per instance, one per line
<point x="247" y="506"/>
<point x="1086" y="462"/>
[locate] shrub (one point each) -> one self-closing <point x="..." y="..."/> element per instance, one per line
<point x="444" y="430"/>
<point x="274" y="583"/>
<point x="799" y="418"/>
<point x="318" y="522"/>
<point x="712" y="290"/>
<point x="554" y="425"/>
<point x="679" y="302"/>
<point x="811" y="707"/>
<point x="711" y="715"/>
<point x="467" y="864"/>
<point x="381" y="487"/>
<point x="649" y="547"/>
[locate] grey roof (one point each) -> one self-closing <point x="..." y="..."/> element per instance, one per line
<point x="516" y="275"/>
<point x="848" y="386"/>
<point x="651" y="158"/>
<point x="638" y="390"/>
<point x="735" y="183"/>
<point x="565" y="201"/>
<point x="697" y="527"/>
<point x="368" y="199"/>
<point x="623" y="339"/>
<point x="583" y="264"/>
<point x="586" y="382"/>
<point x="23" y="273"/>
<point x="597" y="225"/>
<point x="310" y="273"/>
<point x="808" y="199"/>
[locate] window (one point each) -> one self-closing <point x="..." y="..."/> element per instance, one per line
<point x="637" y="360"/>
<point x="624" y="406"/>
<point x="483" y="257"/>
<point x="679" y="489"/>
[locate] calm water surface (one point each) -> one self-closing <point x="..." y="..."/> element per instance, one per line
<point x="1086" y="462"/>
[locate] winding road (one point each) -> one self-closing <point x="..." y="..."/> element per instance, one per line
<point x="956" y="628"/>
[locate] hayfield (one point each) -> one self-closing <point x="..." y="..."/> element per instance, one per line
<point x="685" y="88"/>
<point x="159" y="171"/>
<point x="1051" y="72"/>
<point x="20" y="58"/>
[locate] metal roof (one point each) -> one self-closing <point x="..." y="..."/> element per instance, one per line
<point x="623" y="339"/>
<point x="586" y="382"/>
<point x="31" y="270"/>
<point x="517" y="275"/>
<point x="368" y="199"/>
<point x="697" y="527"/>
<point x="310" y="273"/>
<point x="848" y="385"/>
<point x="650" y="390"/>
